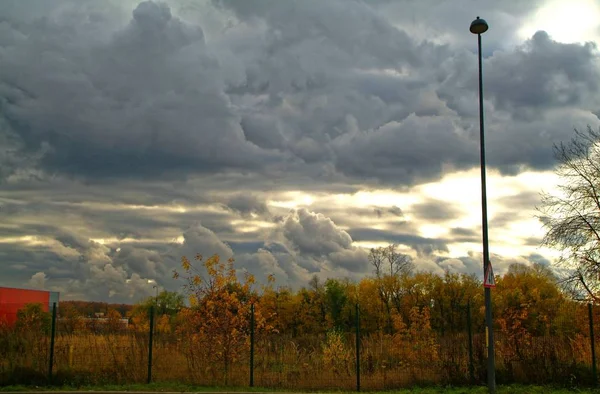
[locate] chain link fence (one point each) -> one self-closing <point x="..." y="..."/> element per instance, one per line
<point x="362" y="353"/>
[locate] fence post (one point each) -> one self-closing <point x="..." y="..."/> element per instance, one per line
<point x="591" y="317"/>
<point x="252" y="345"/>
<point x="52" y="335"/>
<point x="150" y="344"/>
<point x="470" y="331"/>
<point x="357" y="348"/>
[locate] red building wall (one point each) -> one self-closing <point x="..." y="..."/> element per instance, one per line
<point x="11" y="300"/>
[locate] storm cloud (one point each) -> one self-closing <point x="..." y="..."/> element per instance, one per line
<point x="293" y="135"/>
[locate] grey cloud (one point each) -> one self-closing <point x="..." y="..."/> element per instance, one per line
<point x="196" y="107"/>
<point x="394" y="210"/>
<point x="461" y="234"/>
<point x="146" y="101"/>
<point x="429" y="249"/>
<point x="147" y="263"/>
<point x="213" y="103"/>
<point x="264" y="263"/>
<point x="87" y="273"/>
<point x="246" y="203"/>
<point x="522" y="200"/>
<point x="472" y="263"/>
<point x="454" y="265"/>
<point x="314" y="234"/>
<point x="543" y="74"/>
<point x="507" y="216"/>
<point x="353" y="260"/>
<point x="200" y="239"/>
<point x="533" y="241"/>
<point x="436" y="210"/>
<point x="411" y="151"/>
<point x="422" y="19"/>
<point x="38" y="280"/>
<point x="371" y="234"/>
<point x="316" y="243"/>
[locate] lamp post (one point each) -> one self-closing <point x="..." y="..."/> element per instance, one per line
<point x="480" y="26"/>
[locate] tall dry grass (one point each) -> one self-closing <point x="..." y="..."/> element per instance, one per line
<point x="282" y="360"/>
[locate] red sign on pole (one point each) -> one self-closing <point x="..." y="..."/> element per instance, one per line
<point x="489" y="280"/>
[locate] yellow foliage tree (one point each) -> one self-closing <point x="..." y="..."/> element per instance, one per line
<point x="113" y="321"/>
<point x="337" y="357"/>
<point x="416" y="341"/>
<point x="217" y="327"/>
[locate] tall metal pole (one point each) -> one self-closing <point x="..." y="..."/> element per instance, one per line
<point x="489" y="325"/>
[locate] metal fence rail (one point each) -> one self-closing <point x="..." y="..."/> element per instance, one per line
<point x="360" y="354"/>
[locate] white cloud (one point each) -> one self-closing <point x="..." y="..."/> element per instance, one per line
<point x="38" y="280"/>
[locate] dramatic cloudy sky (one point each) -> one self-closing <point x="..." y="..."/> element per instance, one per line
<point x="292" y="134"/>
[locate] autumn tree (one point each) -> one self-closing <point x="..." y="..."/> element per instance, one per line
<point x="529" y="300"/>
<point x="166" y="305"/>
<point x="572" y="216"/>
<point x="70" y="319"/>
<point x="281" y="303"/>
<point x="113" y="321"/>
<point x="217" y="326"/>
<point x="336" y="298"/>
<point x="33" y="318"/>
<point x="389" y="267"/>
<point x="450" y="296"/>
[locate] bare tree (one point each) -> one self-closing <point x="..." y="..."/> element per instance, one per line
<point x="389" y="257"/>
<point x="376" y="259"/>
<point x="389" y="266"/>
<point x="572" y="216"/>
<point x="398" y="263"/>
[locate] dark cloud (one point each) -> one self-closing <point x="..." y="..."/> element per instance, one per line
<point x="543" y="74"/>
<point x="506" y="217"/>
<point x="411" y="151"/>
<point x="246" y="204"/>
<point x="525" y="201"/>
<point x="394" y="210"/>
<point x="461" y="234"/>
<point x="416" y="242"/>
<point x="152" y="96"/>
<point x="436" y="210"/>
<point x="147" y="101"/>
<point x="141" y="124"/>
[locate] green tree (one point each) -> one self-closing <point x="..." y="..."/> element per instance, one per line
<point x="336" y="300"/>
<point x="168" y="303"/>
<point x="33" y="318"/>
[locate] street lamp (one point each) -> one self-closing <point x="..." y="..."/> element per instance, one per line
<point x="480" y="26"/>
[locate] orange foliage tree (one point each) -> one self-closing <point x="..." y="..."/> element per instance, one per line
<point x="216" y="329"/>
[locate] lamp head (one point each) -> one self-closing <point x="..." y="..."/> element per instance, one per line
<point x="478" y="26"/>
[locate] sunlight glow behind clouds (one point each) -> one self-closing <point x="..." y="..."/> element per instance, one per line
<point x="566" y="21"/>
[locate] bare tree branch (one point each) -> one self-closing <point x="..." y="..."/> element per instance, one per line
<point x="572" y="220"/>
